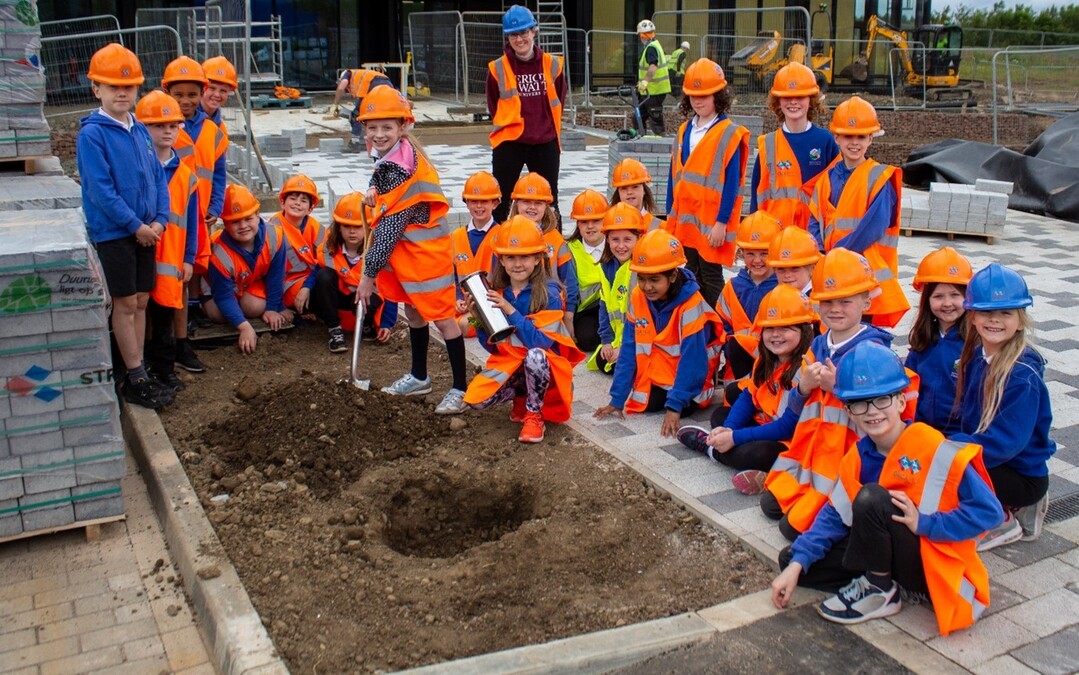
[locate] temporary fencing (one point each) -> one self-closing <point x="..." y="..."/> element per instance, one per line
<point x="1034" y="80"/>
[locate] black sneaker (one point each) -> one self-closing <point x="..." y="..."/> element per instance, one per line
<point x="197" y="318"/>
<point x="186" y="359"/>
<point x="369" y="333"/>
<point x="169" y="379"/>
<point x="142" y="392"/>
<point x="165" y="393"/>
<point x="337" y="340"/>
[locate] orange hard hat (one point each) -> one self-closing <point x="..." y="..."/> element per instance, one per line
<point x="183" y="69"/>
<point x="655" y="252"/>
<point x="629" y="172"/>
<point x="841" y="274"/>
<point x="219" y="69"/>
<point x="519" y="236"/>
<point x="589" y="205"/>
<point x="756" y="231"/>
<point x="302" y="184"/>
<point x="385" y="103"/>
<point x="116" y="65"/>
<point x="533" y="187"/>
<point x="793" y="247"/>
<point x="481" y="185"/>
<point x="622" y="216"/>
<point x="794" y="80"/>
<point x="784" y="306"/>
<point x="239" y="203"/>
<point x="157" y="107"/>
<point x="943" y="266"/>
<point x="855" y="117"/>
<point x="703" y="77"/>
<point x="349" y="209"/>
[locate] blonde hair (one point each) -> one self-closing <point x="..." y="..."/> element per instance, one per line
<point x="999" y="370"/>
<point x="547" y="223"/>
<point x="538" y="280"/>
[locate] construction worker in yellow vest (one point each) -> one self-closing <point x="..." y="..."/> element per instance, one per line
<point x="653" y="77"/>
<point x="677" y="64"/>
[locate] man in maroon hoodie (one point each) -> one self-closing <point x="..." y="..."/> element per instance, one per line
<point x="525" y="90"/>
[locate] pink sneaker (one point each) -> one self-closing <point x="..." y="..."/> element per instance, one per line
<point x="749" y="482"/>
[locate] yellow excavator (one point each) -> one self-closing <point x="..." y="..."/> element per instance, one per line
<point x="763" y="57"/>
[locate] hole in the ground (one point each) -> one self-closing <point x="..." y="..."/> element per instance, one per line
<point x="439" y="517"/>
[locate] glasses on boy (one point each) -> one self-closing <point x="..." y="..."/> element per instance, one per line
<point x="862" y="407"/>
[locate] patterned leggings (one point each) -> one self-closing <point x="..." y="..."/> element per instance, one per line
<point x="531" y="381"/>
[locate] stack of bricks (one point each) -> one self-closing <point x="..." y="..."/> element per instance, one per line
<point x="61" y="447"/>
<point x="957" y="208"/>
<point x="23" y="129"/>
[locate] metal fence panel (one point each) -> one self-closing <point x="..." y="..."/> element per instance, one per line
<point x="1034" y="80"/>
<point x="87" y="24"/>
<point x="483" y="42"/>
<point x="436" y="45"/>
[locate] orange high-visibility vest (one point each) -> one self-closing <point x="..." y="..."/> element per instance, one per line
<point x="802" y="477"/>
<point x="839" y="220"/>
<point x="301" y="252"/>
<point x="729" y="307"/>
<point x="652" y="222"/>
<point x="359" y="82"/>
<point x="465" y="263"/>
<point x="698" y="189"/>
<point x="420" y="269"/>
<point x="348" y="280"/>
<point x="770" y="398"/>
<point x="200" y="155"/>
<point x="928" y="468"/>
<point x="782" y="191"/>
<point x="657" y="354"/>
<point x="558" y="403"/>
<point x="557" y="251"/>
<point x="168" y="289"/>
<point x="508" y="122"/>
<point x="232" y="264"/>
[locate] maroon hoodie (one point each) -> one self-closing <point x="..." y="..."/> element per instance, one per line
<point x="535" y="109"/>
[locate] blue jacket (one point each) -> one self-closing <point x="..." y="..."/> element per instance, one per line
<point x="938" y="368"/>
<point x="749" y="294"/>
<point x="873" y="224"/>
<point x="814" y="148"/>
<point x="732" y="178"/>
<point x="822" y="351"/>
<point x="123" y="182"/>
<point x="191" y="241"/>
<point x="193" y="127"/>
<point x="977" y="512"/>
<point x="224" y="288"/>
<point x="1018" y="437"/>
<point x="692" y="363"/>
<point x="527" y="332"/>
<point x="740" y="420"/>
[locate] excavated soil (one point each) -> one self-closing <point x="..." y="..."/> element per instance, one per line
<point x="373" y="535"/>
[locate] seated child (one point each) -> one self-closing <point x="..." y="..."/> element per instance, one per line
<point x="586" y="245"/>
<point x="633" y="185"/>
<point x="622" y="227"/>
<point x="937" y="336"/>
<point x="749" y="435"/>
<point x="902" y="515"/>
<point x="534" y="366"/>
<point x="247" y="269"/>
<point x="336" y="281"/>
<point x="303" y="235"/>
<point x="472" y="250"/>
<point x="674" y="334"/>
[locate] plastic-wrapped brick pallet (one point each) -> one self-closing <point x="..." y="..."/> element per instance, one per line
<point x="23" y="129"/>
<point x="61" y="447"/>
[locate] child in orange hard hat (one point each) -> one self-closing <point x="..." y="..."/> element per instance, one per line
<point x="633" y="185"/>
<point x="622" y="229"/>
<point x="793" y="254"/>
<point x="586" y="245"/>
<point x="303" y="235"/>
<point x="472" y="250"/>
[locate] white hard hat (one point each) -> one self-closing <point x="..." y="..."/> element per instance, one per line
<point x="685" y="45"/>
<point x="646" y="26"/>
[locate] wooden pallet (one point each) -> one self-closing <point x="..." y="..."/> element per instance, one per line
<point x="27" y="165"/>
<point x="989" y="238"/>
<point x="93" y="529"/>
<point x="265" y="102"/>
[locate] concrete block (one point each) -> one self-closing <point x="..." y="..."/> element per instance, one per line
<point x="10" y="521"/>
<point x="34" y="433"/>
<point x="999" y="186"/>
<point x="91" y="426"/>
<point x="17" y="363"/>
<point x="297" y="138"/>
<point x="10" y="479"/>
<point x="38" y="511"/>
<point x="81" y="394"/>
<point x="88" y="473"/>
<point x="48" y="471"/>
<point x="7" y="142"/>
<point x="331" y="145"/>
<point x="31" y="323"/>
<point x="101" y="505"/>
<point x="80" y="318"/>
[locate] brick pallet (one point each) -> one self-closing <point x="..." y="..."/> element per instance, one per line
<point x="955" y="209"/>
<point x="264" y="102"/>
<point x="24" y="133"/>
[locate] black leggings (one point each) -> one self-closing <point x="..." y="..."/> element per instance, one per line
<point x="1014" y="489"/>
<point x="328" y="299"/>
<point x="510" y="157"/>
<point x="657" y="400"/>
<point x="160" y="350"/>
<point x="709" y="275"/>
<point x="586" y="329"/>
<point x="759" y="455"/>
<point x="739" y="360"/>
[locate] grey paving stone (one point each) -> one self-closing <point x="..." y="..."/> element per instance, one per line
<point x="612" y="431"/>
<point x="679" y="451"/>
<point x="1001" y="597"/>
<point x="1058" y="653"/>
<point x="729" y="500"/>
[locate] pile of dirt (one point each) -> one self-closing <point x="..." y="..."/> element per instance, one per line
<point x="373" y="535"/>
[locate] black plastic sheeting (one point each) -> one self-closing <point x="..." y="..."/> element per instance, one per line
<point x="1046" y="174"/>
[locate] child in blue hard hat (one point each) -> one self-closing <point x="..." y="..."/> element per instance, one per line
<point x="904" y="511"/>
<point x="1004" y="403"/>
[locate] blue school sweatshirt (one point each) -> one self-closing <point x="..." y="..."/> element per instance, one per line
<point x="740" y="420"/>
<point x="822" y="351"/>
<point x="193" y="127"/>
<point x="978" y="511"/>
<point x="191" y="241"/>
<point x="814" y="148"/>
<point x="123" y="182"/>
<point x="732" y="178"/>
<point x="749" y="294"/>
<point x="1018" y="436"/>
<point x="938" y="368"/>
<point x="527" y="333"/>
<point x="692" y="364"/>
<point x="873" y="224"/>
<point x="224" y="288"/>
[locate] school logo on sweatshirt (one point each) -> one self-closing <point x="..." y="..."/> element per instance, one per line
<point x="814" y="154"/>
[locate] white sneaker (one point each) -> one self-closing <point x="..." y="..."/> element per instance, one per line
<point x="861" y="601"/>
<point x="1032" y="518"/>
<point x="407" y="385"/>
<point x="453" y="403"/>
<point x="1006" y="533"/>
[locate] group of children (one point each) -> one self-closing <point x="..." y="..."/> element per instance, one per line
<point x="895" y="476"/>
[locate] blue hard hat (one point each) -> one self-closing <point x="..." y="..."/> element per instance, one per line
<point x="517" y="19"/>
<point x="997" y="287"/>
<point x="869" y="370"/>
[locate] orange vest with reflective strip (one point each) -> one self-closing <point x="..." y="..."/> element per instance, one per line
<point x="508" y="122"/>
<point x="802" y="477"/>
<point x="839" y="220"/>
<point x="359" y="83"/>
<point x="301" y="252"/>
<point x="698" y="189"/>
<point x="348" y="280"/>
<point x="420" y="269"/>
<point x="928" y="468"/>
<point x="558" y="403"/>
<point x="781" y="190"/>
<point x="169" y="256"/>
<point x="770" y="398"/>
<point x="232" y="264"/>
<point x="200" y="155"/>
<point x="557" y="251"/>
<point x="652" y="222"/>
<point x="730" y="308"/>
<point x="657" y="354"/>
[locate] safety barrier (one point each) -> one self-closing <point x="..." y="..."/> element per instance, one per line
<point x="1040" y="80"/>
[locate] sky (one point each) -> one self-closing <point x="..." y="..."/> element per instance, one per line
<point x="988" y="4"/>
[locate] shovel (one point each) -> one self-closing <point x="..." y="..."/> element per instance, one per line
<point x="353" y="377"/>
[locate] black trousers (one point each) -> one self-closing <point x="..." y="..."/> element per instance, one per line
<point x="160" y="350"/>
<point x="1014" y="489"/>
<point x="740" y="361"/>
<point x="652" y="113"/>
<point x="510" y="157"/>
<point x="758" y="455"/>
<point x="876" y="544"/>
<point x="657" y="400"/>
<point x="771" y="509"/>
<point x="586" y="329"/>
<point x="709" y="275"/>
<point x="328" y="299"/>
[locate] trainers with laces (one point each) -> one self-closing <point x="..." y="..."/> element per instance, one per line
<point x="1007" y="532"/>
<point x="861" y="601"/>
<point x="694" y="438"/>
<point x="186" y="359"/>
<point x="517" y="413"/>
<point x="337" y="340"/>
<point x="750" y="481"/>
<point x="532" y="429"/>
<point x="407" y="385"/>
<point x="169" y="379"/>
<point x="1032" y="518"/>
<point x="142" y="392"/>
<point x="165" y="393"/>
<point x="453" y="403"/>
